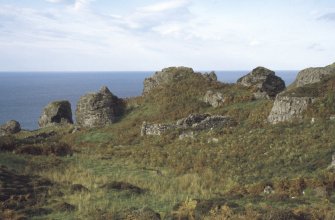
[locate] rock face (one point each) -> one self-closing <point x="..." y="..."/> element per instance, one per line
<point x="172" y="74"/>
<point x="215" y="99"/>
<point x="98" y="109"/>
<point x="264" y="81"/>
<point x="58" y="112"/>
<point x="10" y="127"/>
<point x="313" y="75"/>
<point x="286" y="108"/>
<point x="192" y="122"/>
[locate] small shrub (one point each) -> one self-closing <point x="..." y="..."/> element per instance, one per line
<point x="7" y="144"/>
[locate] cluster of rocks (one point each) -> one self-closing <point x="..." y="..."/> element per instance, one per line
<point x="288" y="106"/>
<point x="98" y="109"/>
<point x="10" y="127"/>
<point x="264" y="81"/>
<point x="93" y="110"/>
<point x="192" y="122"/>
<point x="103" y="108"/>
<point x="155" y="129"/>
<point x="172" y="74"/>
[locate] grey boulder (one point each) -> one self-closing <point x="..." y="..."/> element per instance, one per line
<point x="265" y="81"/>
<point x="10" y="127"/>
<point x="57" y="112"/>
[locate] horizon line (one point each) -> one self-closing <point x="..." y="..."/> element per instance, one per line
<point x="110" y="71"/>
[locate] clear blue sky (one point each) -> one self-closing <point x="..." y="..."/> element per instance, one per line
<point x="77" y="35"/>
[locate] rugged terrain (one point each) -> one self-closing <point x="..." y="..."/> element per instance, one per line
<point x="190" y="147"/>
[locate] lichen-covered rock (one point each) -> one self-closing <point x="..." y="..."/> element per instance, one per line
<point x="210" y="76"/>
<point x="98" y="109"/>
<point x="215" y="99"/>
<point x="192" y="122"/>
<point x="58" y="112"/>
<point x="192" y="119"/>
<point x="173" y="74"/>
<point x="205" y="121"/>
<point x="286" y="108"/>
<point x="264" y="81"/>
<point x="155" y="129"/>
<point x="313" y="75"/>
<point x="10" y="127"/>
<point x="165" y="76"/>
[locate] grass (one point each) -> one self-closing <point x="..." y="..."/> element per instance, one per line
<point x="291" y="157"/>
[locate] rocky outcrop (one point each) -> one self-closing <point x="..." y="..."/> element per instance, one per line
<point x="266" y="83"/>
<point x="155" y="129"/>
<point x="211" y="76"/>
<point x="215" y="99"/>
<point x="205" y="121"/>
<point x="286" y="108"/>
<point x="58" y="112"/>
<point x="165" y="76"/>
<point x="10" y="127"/>
<point x="313" y="75"/>
<point x="98" y="109"/>
<point x="192" y="122"/>
<point x="173" y="74"/>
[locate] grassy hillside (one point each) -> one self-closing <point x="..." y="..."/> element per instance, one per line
<point x="219" y="174"/>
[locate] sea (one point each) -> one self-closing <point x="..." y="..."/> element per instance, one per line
<point x="23" y="95"/>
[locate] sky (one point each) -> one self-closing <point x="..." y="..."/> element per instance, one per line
<point x="137" y="35"/>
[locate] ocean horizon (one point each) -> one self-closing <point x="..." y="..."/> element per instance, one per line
<point x="25" y="94"/>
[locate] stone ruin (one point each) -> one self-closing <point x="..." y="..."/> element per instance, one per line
<point x="196" y="122"/>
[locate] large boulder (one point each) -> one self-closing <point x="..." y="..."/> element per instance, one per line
<point x="58" y="112"/>
<point x="215" y="99"/>
<point x="265" y="81"/>
<point x="313" y="75"/>
<point x="10" y="127"/>
<point x="172" y="74"/>
<point x="287" y="108"/>
<point x="98" y="109"/>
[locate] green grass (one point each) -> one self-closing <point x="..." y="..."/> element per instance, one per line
<point x="173" y="171"/>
